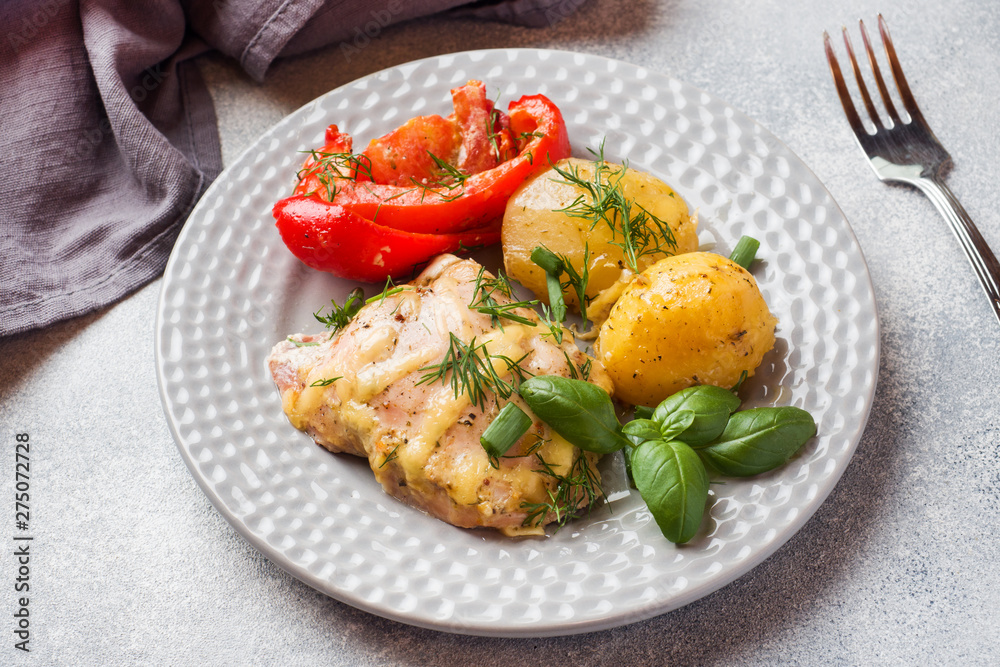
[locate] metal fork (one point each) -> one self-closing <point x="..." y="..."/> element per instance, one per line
<point x="908" y="152"/>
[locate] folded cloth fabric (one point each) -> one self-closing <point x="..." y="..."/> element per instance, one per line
<point x="108" y="133"/>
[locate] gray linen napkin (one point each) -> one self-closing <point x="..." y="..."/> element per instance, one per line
<point x="108" y="136"/>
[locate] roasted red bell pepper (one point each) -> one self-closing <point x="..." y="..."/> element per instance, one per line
<point x="420" y="190"/>
<point x="329" y="238"/>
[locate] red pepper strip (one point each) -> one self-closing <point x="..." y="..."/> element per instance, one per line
<point x="479" y="201"/>
<point x="405" y="153"/>
<point x="330" y="238"/>
<point x="484" y="130"/>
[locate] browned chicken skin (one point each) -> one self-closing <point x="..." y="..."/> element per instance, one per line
<point x="422" y="440"/>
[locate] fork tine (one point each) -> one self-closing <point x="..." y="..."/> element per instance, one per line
<point x="883" y="91"/>
<point x="872" y="112"/>
<point x="845" y="96"/>
<point x="905" y="95"/>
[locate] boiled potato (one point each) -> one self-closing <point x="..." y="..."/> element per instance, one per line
<point x="533" y="219"/>
<point x="697" y="318"/>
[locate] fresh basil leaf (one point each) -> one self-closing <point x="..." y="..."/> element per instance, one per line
<point x="673" y="482"/>
<point x="640" y="430"/>
<point x="675" y="424"/>
<point x="758" y="440"/>
<point x="711" y="407"/>
<point x="580" y="412"/>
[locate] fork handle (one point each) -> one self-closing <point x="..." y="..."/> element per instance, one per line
<point x="983" y="261"/>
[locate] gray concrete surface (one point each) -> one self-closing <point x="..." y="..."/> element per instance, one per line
<point x="132" y="565"/>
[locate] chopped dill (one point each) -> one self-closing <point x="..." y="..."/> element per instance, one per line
<point x="325" y="382"/>
<point x="574" y="372"/>
<point x="391" y="456"/>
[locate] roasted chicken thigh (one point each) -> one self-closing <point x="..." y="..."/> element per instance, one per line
<point x="388" y="386"/>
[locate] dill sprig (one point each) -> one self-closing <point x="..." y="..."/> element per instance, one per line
<point x="446" y="180"/>
<point x="390" y="289"/>
<point x="328" y="167"/>
<point x="633" y="229"/>
<point x="391" y="456"/>
<point x="468" y="249"/>
<point x="491" y="133"/>
<point x="340" y="316"/>
<point x="483" y="302"/>
<point x="576" y="493"/>
<point x="578" y="281"/>
<point x="325" y="382"/>
<point x="469" y="369"/>
<point x="443" y="191"/>
<point x="578" y="372"/>
<point x="555" y="326"/>
<point x="524" y="137"/>
<point x="532" y="448"/>
<point x="448" y="175"/>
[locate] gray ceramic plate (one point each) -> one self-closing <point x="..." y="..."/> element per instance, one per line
<point x="231" y="290"/>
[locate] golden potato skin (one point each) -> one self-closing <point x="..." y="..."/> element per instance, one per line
<point x="697" y="318"/>
<point x="532" y="219"/>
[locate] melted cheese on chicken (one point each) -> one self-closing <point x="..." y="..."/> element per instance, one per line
<point x="369" y="390"/>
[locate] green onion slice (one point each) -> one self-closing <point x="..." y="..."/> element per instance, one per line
<point x="553" y="267"/>
<point x="509" y="427"/>
<point x="745" y="251"/>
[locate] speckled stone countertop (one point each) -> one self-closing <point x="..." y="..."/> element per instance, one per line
<point x="133" y="565"/>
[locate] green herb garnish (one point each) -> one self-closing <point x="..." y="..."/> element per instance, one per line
<point x="483" y="302"/>
<point x="299" y="343"/>
<point x="448" y="176"/>
<point x="579" y="411"/>
<point x="325" y="382"/>
<point x="469" y="369"/>
<point x="555" y="326"/>
<point x="391" y="456"/>
<point x="633" y="229"/>
<point x="668" y="449"/>
<point x="504" y="431"/>
<point x="340" y="316"/>
<point x="745" y="251"/>
<point x="576" y="493"/>
<point x="328" y="167"/>
<point x="491" y="133"/>
<point x="555" y="265"/>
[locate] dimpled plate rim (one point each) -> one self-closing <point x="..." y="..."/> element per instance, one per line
<point x="225" y="300"/>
